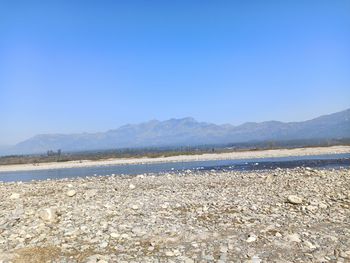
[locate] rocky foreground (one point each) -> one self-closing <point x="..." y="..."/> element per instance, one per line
<point x="298" y="215"/>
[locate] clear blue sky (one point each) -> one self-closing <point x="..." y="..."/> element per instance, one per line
<point x="74" y="66"/>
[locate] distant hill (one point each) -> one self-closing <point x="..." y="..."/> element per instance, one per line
<point x="189" y="132"/>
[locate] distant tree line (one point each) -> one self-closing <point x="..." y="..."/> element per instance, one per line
<point x="54" y="153"/>
<point x="153" y="152"/>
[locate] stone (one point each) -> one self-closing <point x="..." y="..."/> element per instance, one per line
<point x="132" y="187"/>
<point x="269" y="178"/>
<point x="188" y="260"/>
<point x="71" y="193"/>
<point x="256" y="259"/>
<point x="104" y="244"/>
<point x="278" y="234"/>
<point x="309" y="244"/>
<point x="169" y="253"/>
<point x="135" y="207"/>
<point x="223" y="249"/>
<point x="15" y="196"/>
<point x="114" y="235"/>
<point x="137" y="231"/>
<point x="322" y="206"/>
<point x="294" y="238"/>
<point x="295" y="200"/>
<point x="48" y="215"/>
<point x="251" y="238"/>
<point x="312" y="208"/>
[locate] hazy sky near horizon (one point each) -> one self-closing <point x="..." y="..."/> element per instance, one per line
<point x="75" y="66"/>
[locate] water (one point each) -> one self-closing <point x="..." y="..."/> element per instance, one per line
<point x="319" y="161"/>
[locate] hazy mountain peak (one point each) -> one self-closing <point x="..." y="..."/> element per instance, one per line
<point x="188" y="131"/>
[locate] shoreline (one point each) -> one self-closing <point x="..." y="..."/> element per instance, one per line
<point x="180" y="158"/>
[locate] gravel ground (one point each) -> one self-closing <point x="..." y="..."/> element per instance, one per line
<point x="284" y="215"/>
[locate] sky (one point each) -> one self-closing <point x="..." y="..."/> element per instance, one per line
<point x="88" y="66"/>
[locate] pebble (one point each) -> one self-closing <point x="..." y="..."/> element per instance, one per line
<point x="104" y="245"/>
<point x="114" y="235"/>
<point x="135" y="207"/>
<point x="294" y="238"/>
<point x="251" y="238"/>
<point x="48" y="215"/>
<point x="15" y="196"/>
<point x="169" y="253"/>
<point x="71" y="193"/>
<point x="309" y="244"/>
<point x="296" y="200"/>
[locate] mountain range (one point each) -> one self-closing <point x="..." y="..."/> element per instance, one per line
<point x="189" y="132"/>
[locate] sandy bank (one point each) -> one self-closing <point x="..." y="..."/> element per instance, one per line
<point x="181" y="158"/>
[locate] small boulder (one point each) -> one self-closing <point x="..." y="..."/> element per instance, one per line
<point x="251" y="238"/>
<point x="71" y="193"/>
<point x="295" y="200"/>
<point x="135" y="207"/>
<point x="49" y="215"/>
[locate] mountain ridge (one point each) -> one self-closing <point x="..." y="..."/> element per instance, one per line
<point x="190" y="132"/>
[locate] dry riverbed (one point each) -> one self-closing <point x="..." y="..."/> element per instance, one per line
<point x="298" y="215"/>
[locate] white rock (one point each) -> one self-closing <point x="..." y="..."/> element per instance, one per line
<point x="188" y="260"/>
<point x="223" y="249"/>
<point x="309" y="244"/>
<point x="135" y="207"/>
<point x="322" y="206"/>
<point x="137" y="231"/>
<point x="48" y="215"/>
<point x="293" y="199"/>
<point x="103" y="245"/>
<point x="131" y="186"/>
<point x="71" y="193"/>
<point x="169" y="253"/>
<point x="256" y="259"/>
<point x="312" y="208"/>
<point x="269" y="178"/>
<point x="294" y="238"/>
<point x="15" y="196"/>
<point x="114" y="235"/>
<point x="251" y="238"/>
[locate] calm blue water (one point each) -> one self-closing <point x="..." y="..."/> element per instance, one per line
<point x="319" y="161"/>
